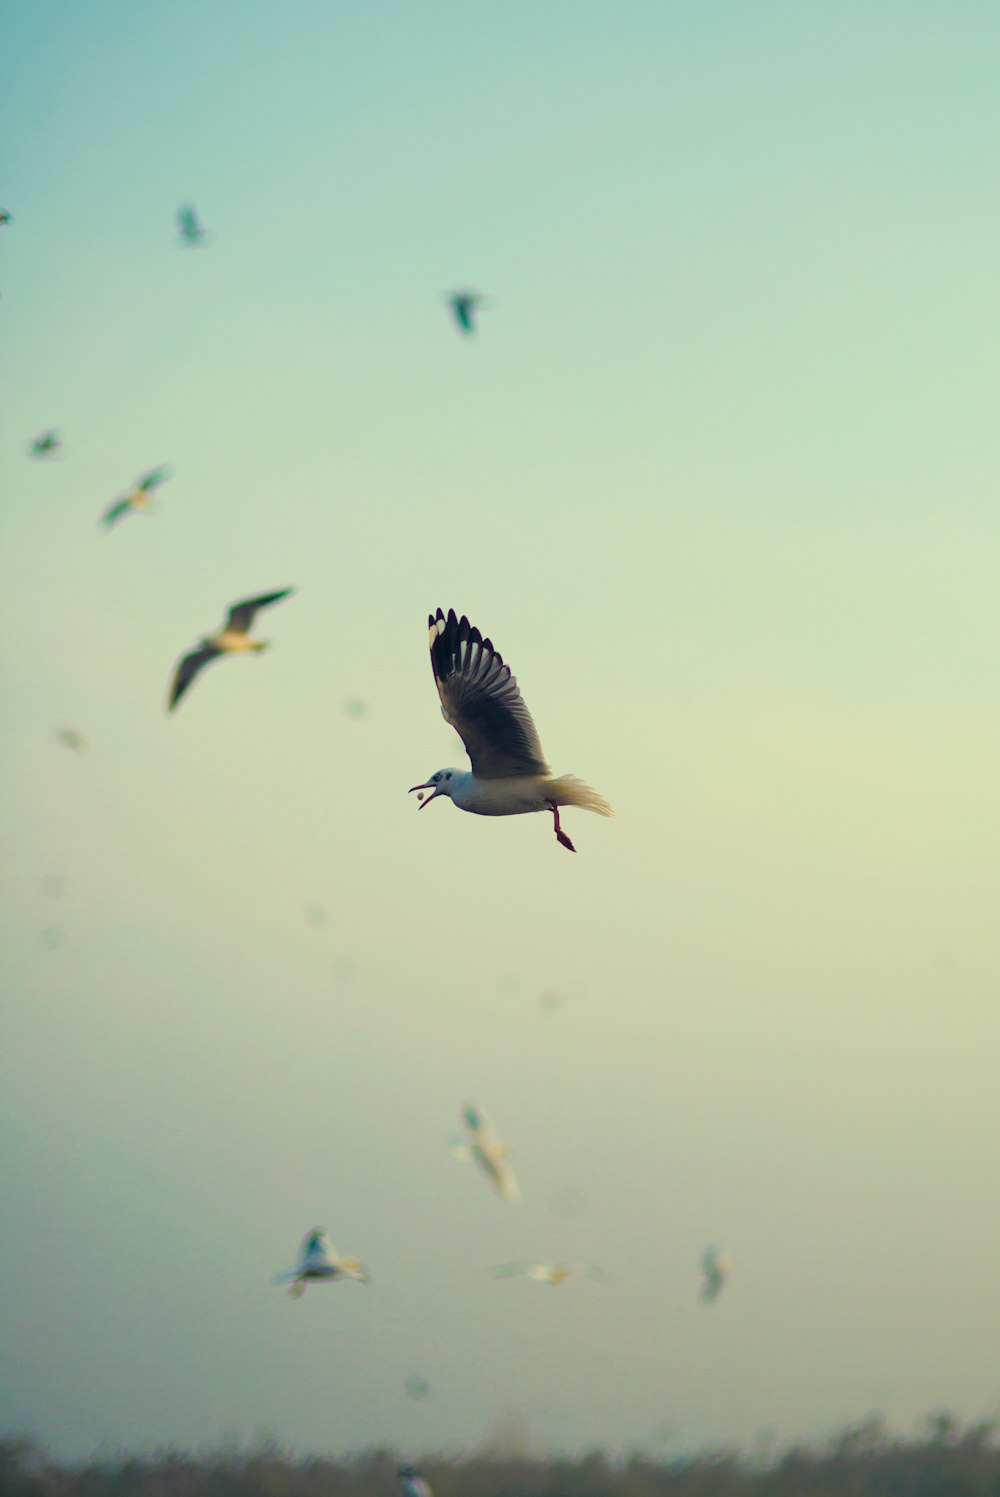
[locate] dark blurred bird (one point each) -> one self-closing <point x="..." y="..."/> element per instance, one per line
<point x="318" y="1261"/>
<point x="71" y="739"/>
<point x="232" y="639"/>
<point x="411" y="1483"/>
<point x="137" y="498"/>
<point x="189" y="226"/>
<point x="5" y="217"/>
<point x="464" y="305"/>
<point x="715" y="1269"/>
<point x="45" y="445"/>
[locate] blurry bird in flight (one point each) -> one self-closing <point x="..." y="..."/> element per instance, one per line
<point x="46" y="445"/>
<point x="71" y="739"/>
<point x="320" y="1262"/>
<point x="138" y="497"/>
<point x="479" y="697"/>
<point x="548" y="1273"/>
<point x="5" y="217"/>
<point x="189" y="226"/>
<point x="464" y="306"/>
<point x="715" y="1270"/>
<point x="411" y="1483"/>
<point x="232" y="639"/>
<point x="486" y="1150"/>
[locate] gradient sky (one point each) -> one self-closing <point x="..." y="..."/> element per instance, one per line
<point x="719" y="477"/>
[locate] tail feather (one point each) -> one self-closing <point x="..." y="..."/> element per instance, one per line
<point x="567" y="790"/>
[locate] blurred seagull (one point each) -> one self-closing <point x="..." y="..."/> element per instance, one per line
<point x="486" y="1150"/>
<point x="71" y="739"/>
<point x="137" y="498"/>
<point x="715" y="1268"/>
<point x="464" y="305"/>
<point x="411" y="1483"/>
<point x="45" y="445"/>
<point x="548" y="1273"/>
<point x="232" y="639"/>
<point x="318" y="1261"/>
<point x="5" y="217"/>
<point x="479" y="697"/>
<point x="188" y="226"/>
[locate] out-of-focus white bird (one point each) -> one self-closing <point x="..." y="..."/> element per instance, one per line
<point x="479" y="697"/>
<point x="137" y="498"/>
<point x="232" y="639"/>
<point x="411" y="1483"/>
<point x="486" y="1150"/>
<point x="549" y="1273"/>
<point x="319" y="1261"/>
<point x="715" y="1270"/>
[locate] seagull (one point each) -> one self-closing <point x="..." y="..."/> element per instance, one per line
<point x="548" y="1273"/>
<point x="5" y="217"/>
<point x="137" y="498"/>
<point x="232" y="639"/>
<point x="319" y="1260"/>
<point x="45" y="445"/>
<point x="716" y="1268"/>
<point x="71" y="739"/>
<point x="411" y="1483"/>
<point x="486" y="1150"/>
<point x="464" y="305"/>
<point x="188" y="226"/>
<point x="479" y="697"/>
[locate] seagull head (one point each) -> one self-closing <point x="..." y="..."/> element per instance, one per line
<point x="440" y="783"/>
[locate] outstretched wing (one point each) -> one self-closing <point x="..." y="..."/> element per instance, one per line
<point x="187" y="668"/>
<point x="479" y="697"/>
<point x="153" y="479"/>
<point x="241" y="615"/>
<point x="114" y="512"/>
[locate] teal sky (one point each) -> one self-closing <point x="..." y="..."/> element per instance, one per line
<point x="719" y="477"/>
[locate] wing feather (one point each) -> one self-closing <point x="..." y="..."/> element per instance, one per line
<point x="241" y="615"/>
<point x="481" y="700"/>
<point x="187" y="668"/>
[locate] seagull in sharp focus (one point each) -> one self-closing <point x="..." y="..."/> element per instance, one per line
<point x="47" y="445"/>
<point x="189" y="226"/>
<point x="138" y="497"/>
<point x="715" y="1269"/>
<point x="319" y="1261"/>
<point x="232" y="639"/>
<point x="486" y="1150"/>
<point x="548" y="1273"/>
<point x="411" y="1483"/>
<point x="479" y="697"/>
<point x="464" y="306"/>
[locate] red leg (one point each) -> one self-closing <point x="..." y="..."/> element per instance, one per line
<point x="560" y="834"/>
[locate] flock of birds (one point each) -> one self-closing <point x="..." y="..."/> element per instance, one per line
<point x="509" y="776"/>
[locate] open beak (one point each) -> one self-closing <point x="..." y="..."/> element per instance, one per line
<point x="435" y="789"/>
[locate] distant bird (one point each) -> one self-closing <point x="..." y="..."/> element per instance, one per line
<point x="548" y="1273"/>
<point x="319" y="1261"/>
<point x="464" y="306"/>
<point x="411" y="1483"/>
<point x="715" y="1269"/>
<point x="71" y="739"/>
<point x="416" y="1386"/>
<point x="355" y="707"/>
<point x="232" y="639"/>
<point x="486" y="1150"/>
<point x="189" y="226"/>
<point x="5" y="217"/>
<point x="479" y="697"/>
<point x="138" y="497"/>
<point x="46" y="445"/>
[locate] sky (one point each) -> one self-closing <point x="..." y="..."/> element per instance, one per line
<point x="717" y="474"/>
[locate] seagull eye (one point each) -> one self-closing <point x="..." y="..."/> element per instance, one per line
<point x="448" y="775"/>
